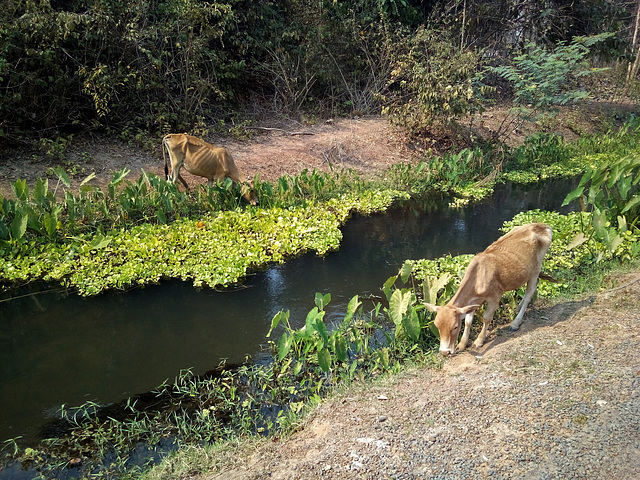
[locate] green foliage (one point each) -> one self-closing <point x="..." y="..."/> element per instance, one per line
<point x="435" y="81"/>
<point x="252" y="399"/>
<point x="133" y="67"/>
<point x="145" y="231"/>
<point x="572" y="255"/>
<point x="175" y="65"/>
<point x="614" y="143"/>
<point x="542" y="149"/>
<point x="308" y="361"/>
<point x="542" y="79"/>
<point x="45" y="234"/>
<point x="144" y="65"/>
<point x="610" y="193"/>
<point x="406" y="311"/>
<point x="313" y="350"/>
<point x="455" y="169"/>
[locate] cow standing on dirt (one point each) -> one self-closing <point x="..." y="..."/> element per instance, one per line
<point x="203" y="159"/>
<point x="507" y="264"/>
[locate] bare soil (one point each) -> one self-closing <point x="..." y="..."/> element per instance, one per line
<point x="559" y="399"/>
<point x="362" y="144"/>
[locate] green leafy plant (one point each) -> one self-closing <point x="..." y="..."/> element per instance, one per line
<point x="314" y="343"/>
<point x="542" y="79"/>
<point x="609" y="192"/>
<point x="437" y="81"/>
<point x="541" y="149"/>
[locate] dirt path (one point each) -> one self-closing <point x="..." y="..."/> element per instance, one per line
<point x="559" y="399"/>
<point x="366" y="145"/>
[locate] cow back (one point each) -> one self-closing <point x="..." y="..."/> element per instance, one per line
<point x="206" y="160"/>
<point x="507" y="264"/>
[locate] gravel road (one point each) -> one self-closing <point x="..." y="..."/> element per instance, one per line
<point x="559" y="399"/>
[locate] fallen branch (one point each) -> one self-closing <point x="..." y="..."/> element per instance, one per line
<point x="612" y="290"/>
<point x="269" y="129"/>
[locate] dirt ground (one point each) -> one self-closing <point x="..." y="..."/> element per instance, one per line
<point x="559" y="399"/>
<point x="364" y="144"/>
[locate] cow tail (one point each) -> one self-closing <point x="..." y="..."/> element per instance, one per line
<point x="164" y="157"/>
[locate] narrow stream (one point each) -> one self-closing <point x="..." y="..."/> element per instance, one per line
<point x="57" y="350"/>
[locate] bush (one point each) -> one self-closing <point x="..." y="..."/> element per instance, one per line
<point x="148" y="65"/>
<point x="433" y="82"/>
<point x="542" y="79"/>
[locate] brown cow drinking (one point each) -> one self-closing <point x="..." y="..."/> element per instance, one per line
<point x="507" y="264"/>
<point x="202" y="159"/>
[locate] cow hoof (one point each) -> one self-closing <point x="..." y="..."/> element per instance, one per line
<point x="512" y="329"/>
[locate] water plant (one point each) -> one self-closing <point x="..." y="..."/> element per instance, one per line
<point x="147" y="230"/>
<point x="60" y="233"/>
<point x="310" y="357"/>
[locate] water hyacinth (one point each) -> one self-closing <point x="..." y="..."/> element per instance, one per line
<point x="217" y="249"/>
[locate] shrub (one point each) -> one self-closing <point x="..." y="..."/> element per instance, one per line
<point x="542" y="79"/>
<point x="433" y="82"/>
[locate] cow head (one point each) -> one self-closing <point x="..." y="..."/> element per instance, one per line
<point x="448" y="322"/>
<point x="248" y="191"/>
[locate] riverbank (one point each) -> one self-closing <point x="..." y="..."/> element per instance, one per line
<point x="382" y="418"/>
<point x="560" y="398"/>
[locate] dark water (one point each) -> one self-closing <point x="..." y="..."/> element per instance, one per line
<point x="57" y="350"/>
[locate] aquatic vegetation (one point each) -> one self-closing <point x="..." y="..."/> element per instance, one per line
<point x="217" y="249"/>
<point x="306" y="364"/>
<point x="610" y="193"/>
<point x="253" y="399"/>
<point x="572" y="254"/>
<point x="141" y="232"/>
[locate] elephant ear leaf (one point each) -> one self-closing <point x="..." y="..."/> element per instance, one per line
<point x="341" y="349"/>
<point x="352" y="307"/>
<point x="386" y="288"/>
<point x="578" y="240"/>
<point x="284" y="345"/>
<point x="411" y="324"/>
<point x="398" y="305"/>
<point x="577" y="193"/>
<point x="4" y="231"/>
<point x="322" y="300"/>
<point x="631" y="203"/>
<point x="324" y="359"/>
<point x="405" y="271"/>
<point x="19" y="225"/>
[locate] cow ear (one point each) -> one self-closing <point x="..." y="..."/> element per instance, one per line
<point x="468" y="309"/>
<point x="431" y="306"/>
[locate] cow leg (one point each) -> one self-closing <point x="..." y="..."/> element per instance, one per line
<point x="528" y="295"/>
<point x="186" y="185"/>
<point x="492" y="305"/>
<point x="175" y="175"/>
<point x="176" y="165"/>
<point x="468" y="320"/>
